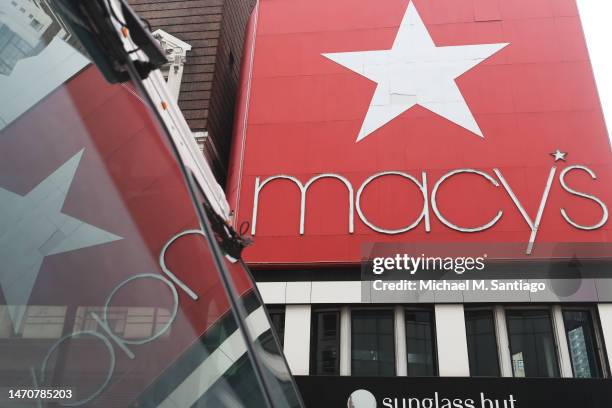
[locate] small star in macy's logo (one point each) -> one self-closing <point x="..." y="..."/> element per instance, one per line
<point x="558" y="155"/>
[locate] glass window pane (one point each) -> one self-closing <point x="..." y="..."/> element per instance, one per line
<point x="420" y="346"/>
<point x="482" y="343"/>
<point x="532" y="343"/>
<point x="277" y="316"/>
<point x="325" y="358"/>
<point x="581" y="342"/>
<point x="372" y="343"/>
<point x="107" y="246"/>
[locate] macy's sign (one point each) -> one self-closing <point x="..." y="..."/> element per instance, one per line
<point x="431" y="201"/>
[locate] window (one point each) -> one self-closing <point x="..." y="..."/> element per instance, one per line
<point x="582" y="343"/>
<point x="277" y="318"/>
<point x="132" y="323"/>
<point x="12" y="49"/>
<point x="277" y="321"/>
<point x="39" y="322"/>
<point x="420" y="343"/>
<point x="36" y="24"/>
<point x="325" y="342"/>
<point x="482" y="343"/>
<point x="532" y="343"/>
<point x="372" y="342"/>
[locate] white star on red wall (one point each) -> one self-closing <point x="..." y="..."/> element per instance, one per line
<point x="416" y="72"/>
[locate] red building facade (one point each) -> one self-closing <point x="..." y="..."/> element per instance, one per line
<point x="420" y="124"/>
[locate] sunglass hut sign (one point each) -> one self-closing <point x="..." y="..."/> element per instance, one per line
<point x="365" y="399"/>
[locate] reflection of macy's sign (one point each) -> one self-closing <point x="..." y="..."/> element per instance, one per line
<point x="171" y="281"/>
<point x="365" y="399"/>
<point x="431" y="200"/>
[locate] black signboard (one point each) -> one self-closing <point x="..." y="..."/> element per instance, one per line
<point x="453" y="392"/>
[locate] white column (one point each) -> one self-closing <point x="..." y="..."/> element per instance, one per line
<point x="451" y="338"/>
<point x="345" y="340"/>
<point x="565" y="363"/>
<point x="401" y="358"/>
<point x="503" y="344"/>
<point x="297" y="338"/>
<point x="605" y="316"/>
<point x="175" y="75"/>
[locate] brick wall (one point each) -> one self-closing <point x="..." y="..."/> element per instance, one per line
<point x="227" y="72"/>
<point x="215" y="30"/>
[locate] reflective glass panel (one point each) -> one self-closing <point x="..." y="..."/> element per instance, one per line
<point x="110" y="286"/>
<point x="372" y="343"/>
<point x="582" y="344"/>
<point x="482" y="343"/>
<point x="420" y="343"/>
<point x="325" y="357"/>
<point x="532" y="343"/>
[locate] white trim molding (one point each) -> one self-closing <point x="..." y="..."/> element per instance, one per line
<point x="565" y="360"/>
<point x="310" y="292"/>
<point x="176" y="52"/>
<point x="503" y="342"/>
<point x="345" y="340"/>
<point x="401" y="353"/>
<point x="297" y="338"/>
<point x="605" y="318"/>
<point x="451" y="339"/>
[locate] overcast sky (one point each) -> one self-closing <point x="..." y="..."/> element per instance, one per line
<point x="596" y="18"/>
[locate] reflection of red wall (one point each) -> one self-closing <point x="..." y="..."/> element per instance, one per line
<point x="127" y="183"/>
<point x="304" y="112"/>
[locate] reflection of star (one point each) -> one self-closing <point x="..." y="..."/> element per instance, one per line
<point x="32" y="227"/>
<point x="416" y="72"/>
<point x="558" y="155"/>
